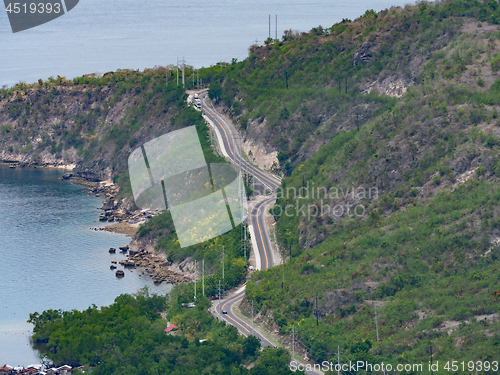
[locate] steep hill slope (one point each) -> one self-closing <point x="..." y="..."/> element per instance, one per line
<point x="297" y="93"/>
<point x="393" y="196"/>
<point x="94" y="122"/>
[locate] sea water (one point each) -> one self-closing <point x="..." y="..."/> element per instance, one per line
<point x="102" y="36"/>
<point x="50" y="258"/>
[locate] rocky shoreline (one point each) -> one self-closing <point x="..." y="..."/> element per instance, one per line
<point x="126" y="221"/>
<point x="158" y="268"/>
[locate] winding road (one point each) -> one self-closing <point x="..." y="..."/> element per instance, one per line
<point x="259" y="231"/>
<point x="260" y="236"/>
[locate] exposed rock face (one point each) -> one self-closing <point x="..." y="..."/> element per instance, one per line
<point x="263" y="157"/>
<point x="460" y="165"/>
<point x="362" y="54"/>
<point x="391" y="86"/>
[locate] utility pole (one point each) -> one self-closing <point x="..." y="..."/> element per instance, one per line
<point x="195" y="279"/>
<point x="317" y="311"/>
<point x="183" y="68"/>
<point x="219" y="295"/>
<point x="432" y="372"/>
<point x="193" y="78"/>
<point x="269" y="26"/>
<point x="203" y="277"/>
<point x="223" y="256"/>
<point x="276" y="27"/>
<point x="177" y="68"/>
<point x="283" y="263"/>
<point x="357" y="116"/>
<point x="252" y="317"/>
<point x="376" y="320"/>
<point x="338" y="360"/>
<point x="241" y="196"/>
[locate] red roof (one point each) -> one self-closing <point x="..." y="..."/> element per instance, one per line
<point x="170" y="328"/>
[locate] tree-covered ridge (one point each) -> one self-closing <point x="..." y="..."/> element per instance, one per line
<point x="93" y="121"/>
<point x="424" y="247"/>
<point x="299" y="92"/>
<point x="431" y="266"/>
<point x="128" y="337"/>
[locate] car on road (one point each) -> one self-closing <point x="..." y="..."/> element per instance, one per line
<point x="224" y="311"/>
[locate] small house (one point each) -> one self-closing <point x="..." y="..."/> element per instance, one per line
<point x="170" y="328"/>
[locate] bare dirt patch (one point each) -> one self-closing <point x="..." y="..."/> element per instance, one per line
<point x="471" y="26"/>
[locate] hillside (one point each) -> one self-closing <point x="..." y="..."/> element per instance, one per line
<point x="93" y="122"/>
<point x="387" y="131"/>
<point x="398" y="173"/>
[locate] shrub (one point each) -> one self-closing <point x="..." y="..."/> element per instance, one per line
<point x="436" y="180"/>
<point x="495" y="63"/>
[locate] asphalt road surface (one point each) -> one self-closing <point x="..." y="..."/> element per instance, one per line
<point x="257" y="218"/>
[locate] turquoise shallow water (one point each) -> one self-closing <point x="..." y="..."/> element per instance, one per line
<point x="49" y="257"/>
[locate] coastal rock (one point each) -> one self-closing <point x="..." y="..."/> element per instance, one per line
<point x="157" y="267"/>
<point x="127" y="263"/>
<point x="120" y="273"/>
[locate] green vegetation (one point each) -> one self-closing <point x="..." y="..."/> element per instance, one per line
<point x="423" y="244"/>
<point x="433" y="257"/>
<point x="308" y="87"/>
<point x="100" y="119"/>
<point x="394" y="118"/>
<point x="162" y="228"/>
<point x="128" y="338"/>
